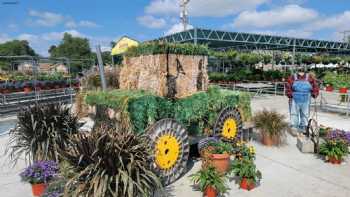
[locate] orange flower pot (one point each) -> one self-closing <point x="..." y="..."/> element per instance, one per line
<point x="343" y="90"/>
<point x="329" y="88"/>
<point x="27" y="90"/>
<point x="334" y="160"/>
<point x="269" y="140"/>
<point x="247" y="185"/>
<point x="210" y="192"/>
<point x="38" y="189"/>
<point x="221" y="162"/>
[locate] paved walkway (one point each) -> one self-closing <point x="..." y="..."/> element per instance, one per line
<point x="286" y="171"/>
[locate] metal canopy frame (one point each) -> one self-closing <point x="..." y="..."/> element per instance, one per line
<point x="222" y="40"/>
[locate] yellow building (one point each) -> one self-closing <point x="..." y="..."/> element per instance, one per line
<point x="123" y="44"/>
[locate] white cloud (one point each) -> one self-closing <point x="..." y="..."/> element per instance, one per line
<point x="221" y="8"/>
<point x="4" y="38"/>
<point x="88" y="24"/>
<point x="47" y="19"/>
<point x="50" y="19"/>
<point x="339" y="22"/>
<point x="198" y="8"/>
<point x="289" y="14"/>
<point x="151" y="22"/>
<point x="73" y="24"/>
<point x="163" y="7"/>
<point x="177" y="28"/>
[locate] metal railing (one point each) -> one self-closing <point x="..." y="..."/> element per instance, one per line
<point x="12" y="102"/>
<point x="257" y="89"/>
<point x="335" y="102"/>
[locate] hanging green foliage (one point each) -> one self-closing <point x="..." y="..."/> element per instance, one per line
<point x="153" y="48"/>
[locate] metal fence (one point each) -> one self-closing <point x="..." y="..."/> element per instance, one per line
<point x="13" y="102"/>
<point x="327" y="101"/>
<point x="257" y="89"/>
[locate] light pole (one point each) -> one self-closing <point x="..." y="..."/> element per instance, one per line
<point x="184" y="13"/>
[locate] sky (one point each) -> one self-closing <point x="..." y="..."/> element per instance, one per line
<point x="43" y="22"/>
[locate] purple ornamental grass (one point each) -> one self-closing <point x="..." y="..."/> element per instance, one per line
<point x="40" y="172"/>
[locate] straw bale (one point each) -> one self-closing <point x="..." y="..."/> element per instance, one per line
<point x="173" y="76"/>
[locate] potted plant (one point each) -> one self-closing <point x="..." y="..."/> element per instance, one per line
<point x="39" y="174"/>
<point x="210" y="182"/>
<point x="27" y="86"/>
<point x="219" y="156"/>
<point x="334" y="150"/>
<point x="343" y="87"/>
<point x="248" y="175"/>
<point x="329" y="79"/>
<point x="272" y="126"/>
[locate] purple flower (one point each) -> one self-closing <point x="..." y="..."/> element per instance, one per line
<point x="339" y="135"/>
<point x="40" y="172"/>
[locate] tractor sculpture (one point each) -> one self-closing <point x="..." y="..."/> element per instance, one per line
<point x="165" y="93"/>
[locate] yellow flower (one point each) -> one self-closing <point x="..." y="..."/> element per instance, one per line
<point x="251" y="150"/>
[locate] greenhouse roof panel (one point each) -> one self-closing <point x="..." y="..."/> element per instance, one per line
<point x="222" y="40"/>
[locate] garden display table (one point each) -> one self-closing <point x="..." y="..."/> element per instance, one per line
<point x="257" y="88"/>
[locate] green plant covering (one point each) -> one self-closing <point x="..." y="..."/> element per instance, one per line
<point x="196" y="112"/>
<point x="153" y="48"/>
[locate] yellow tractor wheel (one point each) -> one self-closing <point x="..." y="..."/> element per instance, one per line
<point x="171" y="149"/>
<point x="228" y="124"/>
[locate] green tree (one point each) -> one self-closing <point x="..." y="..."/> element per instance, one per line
<point x="74" y="48"/>
<point x="14" y="48"/>
<point x="106" y="57"/>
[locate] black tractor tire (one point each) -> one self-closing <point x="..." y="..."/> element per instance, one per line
<point x="170" y="143"/>
<point x="229" y="125"/>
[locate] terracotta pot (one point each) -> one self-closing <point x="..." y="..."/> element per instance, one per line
<point x="329" y="89"/>
<point x="27" y="89"/>
<point x="221" y="162"/>
<point x="247" y="185"/>
<point x="210" y="192"/>
<point x="343" y="90"/>
<point x="38" y="189"/>
<point x="269" y="140"/>
<point x="334" y="160"/>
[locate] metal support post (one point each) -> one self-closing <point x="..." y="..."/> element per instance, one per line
<point x="101" y="68"/>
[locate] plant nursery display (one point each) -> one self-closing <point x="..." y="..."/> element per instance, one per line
<point x="19" y="82"/>
<point x="111" y="162"/>
<point x="167" y="98"/>
<point x="39" y="174"/>
<point x="271" y="126"/>
<point x="41" y="131"/>
<point x="210" y="182"/>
